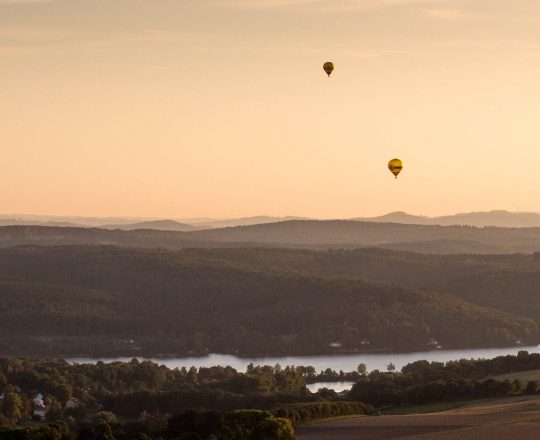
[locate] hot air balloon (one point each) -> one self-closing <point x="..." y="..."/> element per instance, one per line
<point x="395" y="166"/>
<point x="328" y="67"/>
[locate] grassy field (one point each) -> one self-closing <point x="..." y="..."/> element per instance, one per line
<point x="515" y="418"/>
<point x="427" y="409"/>
<point x="523" y="376"/>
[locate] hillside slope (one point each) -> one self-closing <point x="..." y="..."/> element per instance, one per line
<point x="509" y="283"/>
<point x="504" y="219"/>
<point x="158" y="225"/>
<point x="299" y="234"/>
<point x="169" y="302"/>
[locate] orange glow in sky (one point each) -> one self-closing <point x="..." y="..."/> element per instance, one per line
<point x="185" y="108"/>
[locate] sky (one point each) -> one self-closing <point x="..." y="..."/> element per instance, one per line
<point x="220" y="108"/>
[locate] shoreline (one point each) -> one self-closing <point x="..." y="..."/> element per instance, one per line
<point x="244" y="356"/>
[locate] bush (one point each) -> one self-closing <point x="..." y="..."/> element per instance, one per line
<point x="236" y="425"/>
<point x="299" y="413"/>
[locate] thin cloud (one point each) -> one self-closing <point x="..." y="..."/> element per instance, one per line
<point x="451" y="14"/>
<point x="323" y="5"/>
<point x="264" y="4"/>
<point x="15" y="41"/>
<point x="20" y="2"/>
<point x="30" y="34"/>
<point x="447" y="10"/>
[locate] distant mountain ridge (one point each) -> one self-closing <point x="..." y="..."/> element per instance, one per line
<point x="131" y="223"/>
<point x="158" y="225"/>
<point x="19" y="222"/>
<point x="242" y="221"/>
<point x="503" y="219"/>
<point x="307" y="234"/>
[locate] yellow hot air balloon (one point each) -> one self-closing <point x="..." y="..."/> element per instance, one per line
<point x="328" y="67"/>
<point x="395" y="166"/>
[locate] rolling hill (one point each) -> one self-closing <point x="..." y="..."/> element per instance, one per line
<point x="509" y="283"/>
<point x="92" y="299"/>
<point x="331" y="234"/>
<point x="158" y="225"/>
<point x="355" y="234"/>
<point x="503" y="219"/>
<point x="242" y="221"/>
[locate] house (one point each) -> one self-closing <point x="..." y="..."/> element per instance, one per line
<point x="38" y="400"/>
<point x="39" y="407"/>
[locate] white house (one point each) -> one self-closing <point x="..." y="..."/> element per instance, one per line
<point x="39" y="406"/>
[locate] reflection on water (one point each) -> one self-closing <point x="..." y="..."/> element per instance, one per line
<point x="349" y="362"/>
<point x="338" y="387"/>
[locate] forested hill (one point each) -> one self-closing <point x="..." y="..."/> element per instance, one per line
<point x="107" y="300"/>
<point x="350" y="234"/>
<point x="509" y="283"/>
<point x="297" y="233"/>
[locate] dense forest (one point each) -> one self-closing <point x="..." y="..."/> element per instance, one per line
<point x="102" y="300"/>
<point x="510" y="283"/>
<point x="336" y="234"/>
<point x="142" y="400"/>
<point x="56" y="400"/>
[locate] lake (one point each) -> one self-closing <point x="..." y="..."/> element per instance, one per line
<point x="345" y="362"/>
<point x="338" y="387"/>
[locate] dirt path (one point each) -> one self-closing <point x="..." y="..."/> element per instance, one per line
<point x="508" y="419"/>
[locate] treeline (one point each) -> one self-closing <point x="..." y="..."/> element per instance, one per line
<point x="82" y="300"/>
<point x="59" y="381"/>
<point x="52" y="431"/>
<point x="390" y="389"/>
<point x="85" y="401"/>
<point x="191" y="425"/>
<point x="472" y="369"/>
<point x="300" y="413"/>
<point x="423" y="382"/>
<point x="330" y="234"/>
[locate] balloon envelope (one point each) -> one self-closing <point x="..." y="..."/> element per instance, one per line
<point x="328" y="67"/>
<point x="395" y="166"/>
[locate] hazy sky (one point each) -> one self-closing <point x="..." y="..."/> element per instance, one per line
<point x="183" y="108"/>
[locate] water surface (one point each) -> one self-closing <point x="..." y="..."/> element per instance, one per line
<point x="338" y="387"/>
<point x="346" y="362"/>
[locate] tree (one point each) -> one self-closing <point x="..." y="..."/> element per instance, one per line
<point x="532" y="387"/>
<point x="362" y="369"/>
<point x="101" y="431"/>
<point x="278" y="429"/>
<point x="154" y="422"/>
<point x="104" y="432"/>
<point x="106" y="417"/>
<point x="13" y="407"/>
<point x="3" y="381"/>
<point x="3" y="420"/>
<point x="391" y="367"/>
<point x="62" y="392"/>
